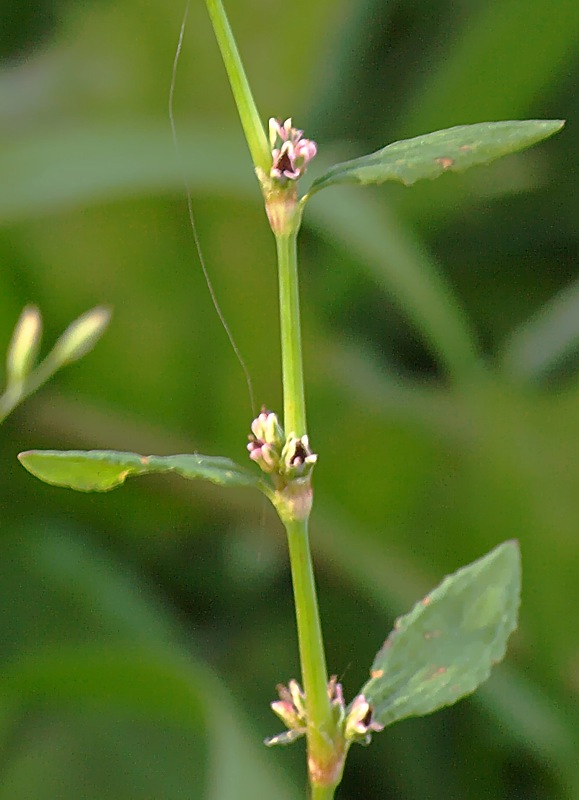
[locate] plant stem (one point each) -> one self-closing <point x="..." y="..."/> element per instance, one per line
<point x="323" y="754"/>
<point x="322" y="792"/>
<point x="321" y="726"/>
<point x="291" y="338"/>
<point x="252" y="125"/>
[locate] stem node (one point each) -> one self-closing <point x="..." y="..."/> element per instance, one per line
<point x="293" y="502"/>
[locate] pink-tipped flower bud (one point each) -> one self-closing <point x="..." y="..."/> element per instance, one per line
<point x="360" y="722"/>
<point x="266" y="427"/>
<point x="287" y="713"/>
<point x="266" y="441"/>
<point x="290" y="708"/>
<point x="336" y="695"/>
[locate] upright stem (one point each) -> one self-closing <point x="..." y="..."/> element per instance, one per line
<point x="322" y="792"/>
<point x="252" y="125"/>
<point x="321" y="734"/>
<point x="325" y="743"/>
<point x="291" y="338"/>
<point x="324" y="752"/>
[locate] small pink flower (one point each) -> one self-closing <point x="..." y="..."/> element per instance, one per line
<point x="360" y="722"/>
<point x="289" y="161"/>
<point x="297" y="458"/>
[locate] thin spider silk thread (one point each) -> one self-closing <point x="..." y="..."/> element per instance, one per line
<point x="192" y="223"/>
<point x="197" y="243"/>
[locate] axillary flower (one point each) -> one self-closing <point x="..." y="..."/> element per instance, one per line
<point x="360" y="722"/>
<point x="291" y="153"/>
<point x="266" y="441"/>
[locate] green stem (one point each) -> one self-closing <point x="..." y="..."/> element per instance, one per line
<point x="16" y="394"/>
<point x="322" y="792"/>
<point x="324" y="750"/>
<point x="291" y="339"/>
<point x="321" y="726"/>
<point x="250" y="120"/>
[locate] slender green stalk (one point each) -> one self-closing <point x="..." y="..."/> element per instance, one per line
<point x="291" y="339"/>
<point x="313" y="661"/>
<point x="16" y="394"/>
<point x="324" y="758"/>
<point x="250" y="120"/>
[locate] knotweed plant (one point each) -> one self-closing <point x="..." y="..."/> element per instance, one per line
<point x="445" y="647"/>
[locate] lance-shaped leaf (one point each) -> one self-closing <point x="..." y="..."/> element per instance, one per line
<point x="450" y="150"/>
<point x="101" y="470"/>
<point x="445" y="647"/>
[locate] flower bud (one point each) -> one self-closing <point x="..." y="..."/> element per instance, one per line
<point x="266" y="440"/>
<point x="266" y="427"/>
<point x="264" y="455"/>
<point x="80" y="336"/>
<point x="290" y="708"/>
<point x="336" y="695"/>
<point x="24" y="346"/>
<point x="287" y="713"/>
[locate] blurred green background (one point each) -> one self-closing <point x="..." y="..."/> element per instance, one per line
<point x="143" y="631"/>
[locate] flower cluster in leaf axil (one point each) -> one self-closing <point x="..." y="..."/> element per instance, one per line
<point x="356" y="723"/>
<point x="290" y="152"/>
<point x="287" y="457"/>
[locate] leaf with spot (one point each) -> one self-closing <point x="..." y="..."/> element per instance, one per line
<point x="102" y="470"/>
<point x="445" y="647"/>
<point x="450" y="150"/>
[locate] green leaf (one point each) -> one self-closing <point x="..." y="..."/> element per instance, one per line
<point x="450" y="150"/>
<point x="101" y="470"/>
<point x="166" y="687"/>
<point x="445" y="647"/>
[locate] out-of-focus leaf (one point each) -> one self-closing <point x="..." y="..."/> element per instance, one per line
<point x="541" y="343"/>
<point x="445" y="647"/>
<point x="391" y="255"/>
<point x="154" y="686"/>
<point x="109" y="676"/>
<point x="49" y="168"/>
<point x="489" y="69"/>
<point x="111" y="649"/>
<point x="451" y="150"/>
<point x="101" y="470"/>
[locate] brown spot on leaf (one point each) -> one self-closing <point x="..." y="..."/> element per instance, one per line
<point x="445" y="162"/>
<point x="144" y="459"/>
<point x="432" y="634"/>
<point x="377" y="673"/>
<point x="436" y="672"/>
<point x="426" y="601"/>
<point x="466" y="148"/>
